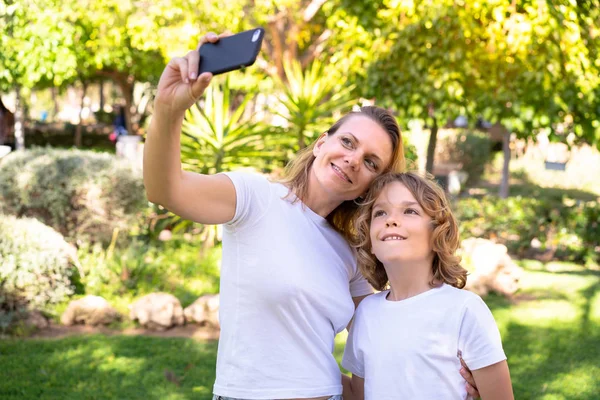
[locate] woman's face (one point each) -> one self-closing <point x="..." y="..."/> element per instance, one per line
<point x="347" y="161"/>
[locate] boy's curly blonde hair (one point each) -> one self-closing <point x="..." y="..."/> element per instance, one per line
<point x="445" y="237"/>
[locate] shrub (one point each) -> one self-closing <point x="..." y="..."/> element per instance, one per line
<point x="471" y="149"/>
<point x="174" y="266"/>
<point x="82" y="194"/>
<point x="36" y="266"/>
<point x="569" y="229"/>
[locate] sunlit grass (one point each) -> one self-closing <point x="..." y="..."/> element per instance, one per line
<point x="107" y="367"/>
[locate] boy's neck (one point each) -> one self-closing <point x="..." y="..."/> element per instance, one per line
<point x="409" y="279"/>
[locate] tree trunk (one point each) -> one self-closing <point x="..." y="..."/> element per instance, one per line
<point x="301" y="138"/>
<point x="431" y="146"/>
<point x="79" y="129"/>
<point x="127" y="90"/>
<point x="503" y="192"/>
<point x="56" y="107"/>
<point x="101" y="95"/>
<point x="19" y="129"/>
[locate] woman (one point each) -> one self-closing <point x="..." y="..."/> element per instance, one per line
<point x="289" y="281"/>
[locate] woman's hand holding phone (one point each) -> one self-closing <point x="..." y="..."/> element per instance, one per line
<point x="179" y="86"/>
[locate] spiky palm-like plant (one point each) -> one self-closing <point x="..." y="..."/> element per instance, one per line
<point x="309" y="99"/>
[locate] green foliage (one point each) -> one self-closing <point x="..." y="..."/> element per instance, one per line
<point x="410" y="153"/>
<point x="219" y="136"/>
<point x="36" y="44"/>
<point x="569" y="229"/>
<point x="36" y="265"/>
<point x="527" y="66"/>
<point x="81" y="194"/>
<point x="107" y="367"/>
<point x="471" y="149"/>
<point x="40" y="134"/>
<point x="122" y="273"/>
<point x="309" y="98"/>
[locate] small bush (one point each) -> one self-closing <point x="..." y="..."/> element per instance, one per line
<point x="81" y="194"/>
<point x="36" y="267"/>
<point x="471" y="149"/>
<point x="569" y="229"/>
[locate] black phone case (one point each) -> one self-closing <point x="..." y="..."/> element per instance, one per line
<point x="232" y="52"/>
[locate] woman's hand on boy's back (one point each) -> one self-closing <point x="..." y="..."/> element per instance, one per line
<point x="180" y="86"/>
<point x="466" y="373"/>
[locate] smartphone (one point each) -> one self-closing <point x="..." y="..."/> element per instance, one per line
<point x="231" y="52"/>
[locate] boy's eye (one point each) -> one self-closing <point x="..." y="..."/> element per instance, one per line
<point x="378" y="213"/>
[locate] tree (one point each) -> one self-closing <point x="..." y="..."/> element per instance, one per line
<point x="36" y="50"/>
<point x="526" y="66"/>
<point x="536" y="71"/>
<point x="418" y="70"/>
<point x="111" y="43"/>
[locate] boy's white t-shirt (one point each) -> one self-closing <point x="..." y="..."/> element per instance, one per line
<point x="409" y="349"/>
<point x="287" y="282"/>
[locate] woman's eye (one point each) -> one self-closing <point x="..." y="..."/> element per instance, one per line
<point x="411" y="211"/>
<point x="346" y="142"/>
<point x="371" y="164"/>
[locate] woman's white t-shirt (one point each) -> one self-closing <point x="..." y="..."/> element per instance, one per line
<point x="287" y="282"/>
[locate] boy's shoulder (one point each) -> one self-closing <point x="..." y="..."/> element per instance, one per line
<point x="372" y="300"/>
<point x="457" y="294"/>
<point x="462" y="300"/>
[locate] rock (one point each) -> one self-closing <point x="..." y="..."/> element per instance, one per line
<point x="205" y="310"/>
<point x="491" y="266"/>
<point x="89" y="310"/>
<point x="157" y="311"/>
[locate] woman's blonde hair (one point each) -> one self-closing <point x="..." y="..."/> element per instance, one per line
<point x="444" y="239"/>
<point x="297" y="172"/>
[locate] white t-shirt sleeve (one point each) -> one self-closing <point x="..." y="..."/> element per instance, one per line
<point x="353" y="359"/>
<point x="359" y="286"/>
<point x="479" y="337"/>
<point x="252" y="192"/>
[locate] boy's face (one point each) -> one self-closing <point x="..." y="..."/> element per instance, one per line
<point x="400" y="229"/>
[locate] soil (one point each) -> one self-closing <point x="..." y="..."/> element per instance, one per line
<point x="55" y="331"/>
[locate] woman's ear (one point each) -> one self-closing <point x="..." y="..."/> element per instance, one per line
<point x="320" y="141"/>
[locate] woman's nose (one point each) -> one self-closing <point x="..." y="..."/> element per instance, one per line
<point x="352" y="160"/>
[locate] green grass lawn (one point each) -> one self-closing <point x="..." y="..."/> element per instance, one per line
<point x="551" y="335"/>
<point x="107" y="367"/>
